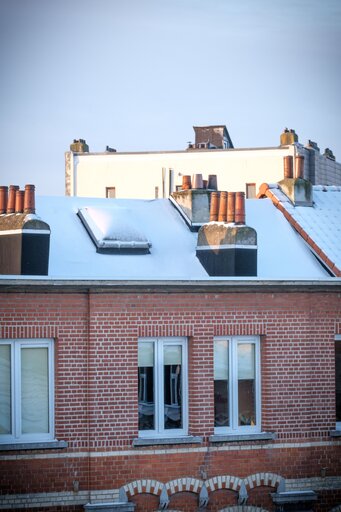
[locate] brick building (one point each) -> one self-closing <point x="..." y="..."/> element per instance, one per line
<point x="155" y="366"/>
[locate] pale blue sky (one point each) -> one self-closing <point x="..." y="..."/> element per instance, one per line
<point x="138" y="74"/>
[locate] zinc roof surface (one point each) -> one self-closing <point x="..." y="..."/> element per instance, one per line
<point x="281" y="252"/>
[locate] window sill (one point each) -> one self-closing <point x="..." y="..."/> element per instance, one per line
<point x="48" y="445"/>
<point x="149" y="441"/>
<point x="230" y="438"/>
<point x="335" y="433"/>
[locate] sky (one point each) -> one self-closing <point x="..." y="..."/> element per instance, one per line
<point x="137" y="75"/>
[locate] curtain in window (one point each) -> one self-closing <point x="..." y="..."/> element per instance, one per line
<point x="5" y="389"/>
<point x="34" y="390"/>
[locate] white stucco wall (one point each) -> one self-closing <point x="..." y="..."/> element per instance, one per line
<point x="135" y="175"/>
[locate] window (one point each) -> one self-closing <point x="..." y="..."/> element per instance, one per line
<point x="26" y="391"/>
<point x="162" y="387"/>
<point x="236" y="385"/>
<point x="250" y="190"/>
<point x="110" y="192"/>
<point x="338" y="380"/>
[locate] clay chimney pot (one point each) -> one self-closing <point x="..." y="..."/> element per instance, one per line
<point x="214" y="206"/>
<point x="29" y="199"/>
<point x="240" y="208"/>
<point x="231" y="206"/>
<point x="19" y="201"/>
<point x="11" y="198"/>
<point x="222" y="207"/>
<point x="186" y="183"/>
<point x="288" y="167"/>
<point x="3" y="199"/>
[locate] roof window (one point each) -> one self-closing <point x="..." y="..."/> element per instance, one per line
<point x="111" y="232"/>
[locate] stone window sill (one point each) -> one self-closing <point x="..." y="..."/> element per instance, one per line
<point x="232" y="438"/>
<point x="335" y="433"/>
<point x="48" y="445"/>
<point x="150" y="441"/>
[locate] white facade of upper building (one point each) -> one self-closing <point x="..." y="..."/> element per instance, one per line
<point x="149" y="175"/>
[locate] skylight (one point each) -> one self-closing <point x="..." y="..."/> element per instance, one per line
<point x="111" y="231"/>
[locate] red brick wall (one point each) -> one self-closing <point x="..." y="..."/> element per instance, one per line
<point x="96" y="382"/>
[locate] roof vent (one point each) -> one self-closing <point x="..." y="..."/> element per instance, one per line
<point x="24" y="238"/>
<point x="296" y="188"/>
<point x="228" y="247"/>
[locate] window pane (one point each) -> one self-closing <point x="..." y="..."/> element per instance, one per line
<point x="34" y="390"/>
<point x="221" y="385"/>
<point x="172" y="386"/>
<point x="338" y="379"/>
<point x="5" y="389"/>
<point x="146" y="386"/>
<point x="246" y="384"/>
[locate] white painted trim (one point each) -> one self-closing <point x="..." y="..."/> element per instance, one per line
<point x="25" y="231"/>
<point x="159" y="345"/>
<point x="234" y="428"/>
<point x="16" y="346"/>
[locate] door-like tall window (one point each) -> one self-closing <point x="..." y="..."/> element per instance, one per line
<point x="26" y="390"/>
<point x="162" y="386"/>
<point x="236" y="384"/>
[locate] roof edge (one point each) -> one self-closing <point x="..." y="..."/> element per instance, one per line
<point x="265" y="191"/>
<point x="124" y="286"/>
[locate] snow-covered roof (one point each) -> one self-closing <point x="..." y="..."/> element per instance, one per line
<point x="281" y="252"/>
<point x="319" y="225"/>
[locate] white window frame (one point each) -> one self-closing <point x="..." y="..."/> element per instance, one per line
<point x="234" y="428"/>
<point x="159" y="431"/>
<point x="337" y="340"/>
<point x="15" y="349"/>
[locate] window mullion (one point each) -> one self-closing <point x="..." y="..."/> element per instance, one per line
<point x="17" y="390"/>
<point x="234" y="382"/>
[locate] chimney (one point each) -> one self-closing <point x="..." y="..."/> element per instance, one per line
<point x="288" y="137"/>
<point x="24" y="238"/>
<point x="79" y="146"/>
<point x="3" y="199"/>
<point x="296" y="188"/>
<point x="228" y="248"/>
<point x="193" y="201"/>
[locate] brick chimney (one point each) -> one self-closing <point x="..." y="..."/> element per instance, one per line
<point x="288" y="137"/>
<point x="79" y="146"/>
<point x="24" y="238"/>
<point x="228" y="248"/>
<point x="293" y="185"/>
<point x="194" y="203"/>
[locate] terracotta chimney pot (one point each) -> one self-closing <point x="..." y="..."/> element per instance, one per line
<point x="240" y="208"/>
<point x="222" y="207"/>
<point x="3" y="199"/>
<point x="11" y="198"/>
<point x="212" y="182"/>
<point x="197" y="181"/>
<point x="186" y="183"/>
<point x="231" y="206"/>
<point x="288" y="166"/>
<point x="29" y="199"/>
<point x="299" y="166"/>
<point x="19" y="201"/>
<point x="214" y="208"/>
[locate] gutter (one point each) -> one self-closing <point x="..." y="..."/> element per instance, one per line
<point x="29" y="285"/>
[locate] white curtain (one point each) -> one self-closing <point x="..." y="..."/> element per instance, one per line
<point x="221" y="368"/>
<point x="172" y="354"/>
<point x="246" y="361"/>
<point x="34" y="390"/>
<point x="5" y="389"/>
<point x="146" y="354"/>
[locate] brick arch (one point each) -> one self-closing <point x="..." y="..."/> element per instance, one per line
<point x="243" y="508"/>
<point x="184" y="484"/>
<point x="258" y="479"/>
<point x="232" y="483"/>
<point x="144" y="486"/>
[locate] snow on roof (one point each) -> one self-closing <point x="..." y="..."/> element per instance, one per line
<point x="322" y="221"/>
<point x="281" y="252"/>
